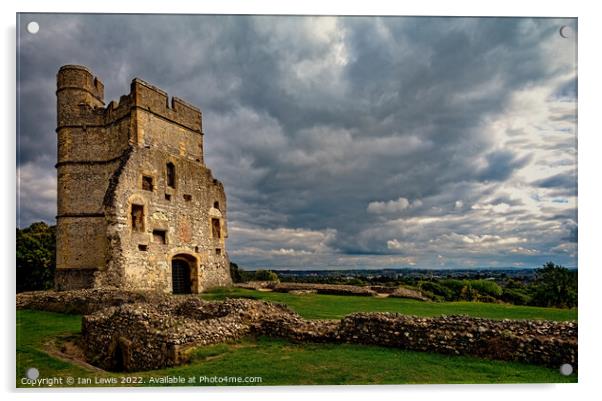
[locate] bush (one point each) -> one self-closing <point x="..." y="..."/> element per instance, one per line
<point x="487" y="299"/>
<point x="515" y="296"/>
<point x="436" y="289"/>
<point x="467" y="293"/>
<point x="486" y="287"/>
<point x="265" y="275"/>
<point x="355" y="281"/>
<point x="431" y="296"/>
<point x="455" y="286"/>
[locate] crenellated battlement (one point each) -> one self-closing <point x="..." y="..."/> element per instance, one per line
<point x="80" y="97"/>
<point x="149" y="97"/>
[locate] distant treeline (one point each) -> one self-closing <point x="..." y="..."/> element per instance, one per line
<point x="553" y="286"/>
<point x="550" y="286"/>
<point x="240" y="276"/>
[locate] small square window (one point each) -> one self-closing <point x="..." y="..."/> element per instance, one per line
<point x="159" y="237"/>
<point x="142" y="247"/>
<point x="187" y="197"/>
<point x="167" y="197"/>
<point x="218" y="251"/>
<point x="147" y="183"/>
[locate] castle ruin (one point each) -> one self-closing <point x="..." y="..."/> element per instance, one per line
<point x="137" y="208"/>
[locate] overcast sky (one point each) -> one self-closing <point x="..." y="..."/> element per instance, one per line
<point x="344" y="142"/>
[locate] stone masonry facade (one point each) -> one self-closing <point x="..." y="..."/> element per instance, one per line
<point x="137" y="207"/>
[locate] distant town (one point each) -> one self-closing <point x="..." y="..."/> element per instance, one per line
<point x="408" y="274"/>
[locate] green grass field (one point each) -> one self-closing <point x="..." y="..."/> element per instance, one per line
<point x="279" y="362"/>
<point x="316" y="306"/>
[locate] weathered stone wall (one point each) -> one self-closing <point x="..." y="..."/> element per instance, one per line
<point x="164" y="336"/>
<point x="539" y="342"/>
<point x="103" y="155"/>
<point x="85" y="152"/>
<point x="85" y="301"/>
<point x="74" y="279"/>
<point x="150" y="338"/>
<point x="142" y="336"/>
<point x="148" y="330"/>
<point x="185" y="217"/>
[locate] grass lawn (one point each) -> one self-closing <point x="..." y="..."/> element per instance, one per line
<point x="280" y="362"/>
<point x="317" y="306"/>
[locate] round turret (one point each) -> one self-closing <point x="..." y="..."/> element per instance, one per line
<point x="76" y="88"/>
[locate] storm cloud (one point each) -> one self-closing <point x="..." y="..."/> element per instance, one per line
<point x="344" y="141"/>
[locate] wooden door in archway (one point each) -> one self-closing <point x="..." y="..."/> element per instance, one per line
<point x="180" y="277"/>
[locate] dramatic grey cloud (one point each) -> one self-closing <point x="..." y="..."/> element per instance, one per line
<point x="344" y="142"/>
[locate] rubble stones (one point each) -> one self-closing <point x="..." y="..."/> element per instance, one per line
<point x="402" y="292"/>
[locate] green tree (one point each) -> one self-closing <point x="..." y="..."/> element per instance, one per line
<point x="354" y="281"/>
<point x="436" y="289"/>
<point x="235" y="273"/>
<point x="455" y="286"/>
<point x="515" y="296"/>
<point x="265" y="275"/>
<point x="555" y="285"/>
<point x="467" y="293"/>
<point x="36" y="256"/>
<point x="487" y="287"/>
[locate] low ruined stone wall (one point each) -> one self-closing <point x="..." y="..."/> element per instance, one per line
<point x="539" y="342"/>
<point x="137" y="331"/>
<point x="142" y="336"/>
<point x="85" y="301"/>
<point x="402" y="292"/>
<point x="255" y="285"/>
<point x="333" y="289"/>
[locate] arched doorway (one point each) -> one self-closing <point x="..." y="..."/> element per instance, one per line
<point x="180" y="276"/>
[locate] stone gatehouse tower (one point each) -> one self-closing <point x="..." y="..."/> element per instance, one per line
<point x="137" y="207"/>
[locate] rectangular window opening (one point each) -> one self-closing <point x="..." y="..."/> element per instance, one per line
<point x="142" y="247"/>
<point x="215" y="228"/>
<point x="218" y="251"/>
<point x="171" y="175"/>
<point x="137" y="217"/>
<point x="187" y="197"/>
<point x="147" y="183"/>
<point x="160" y="236"/>
<point x="167" y="197"/>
